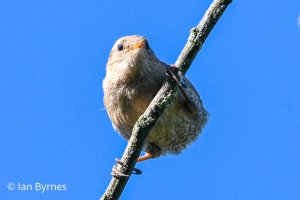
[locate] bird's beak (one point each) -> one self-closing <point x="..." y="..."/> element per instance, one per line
<point x="138" y="45"/>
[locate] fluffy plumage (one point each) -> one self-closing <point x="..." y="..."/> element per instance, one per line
<point x="133" y="77"/>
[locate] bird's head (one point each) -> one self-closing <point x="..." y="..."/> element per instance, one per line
<point x="129" y="53"/>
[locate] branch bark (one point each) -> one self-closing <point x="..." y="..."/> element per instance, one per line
<point x="163" y="98"/>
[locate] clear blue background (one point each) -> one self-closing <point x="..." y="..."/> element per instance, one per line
<point x="54" y="129"/>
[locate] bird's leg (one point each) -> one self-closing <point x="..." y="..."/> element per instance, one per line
<point x="145" y="157"/>
<point x="115" y="172"/>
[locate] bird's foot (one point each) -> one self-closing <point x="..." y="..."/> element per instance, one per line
<point x="115" y="172"/>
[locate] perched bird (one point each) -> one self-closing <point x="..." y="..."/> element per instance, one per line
<point x="133" y="77"/>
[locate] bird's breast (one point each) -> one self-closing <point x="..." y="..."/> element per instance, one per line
<point x="124" y="106"/>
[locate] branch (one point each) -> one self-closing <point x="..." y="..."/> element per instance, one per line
<point x="163" y="98"/>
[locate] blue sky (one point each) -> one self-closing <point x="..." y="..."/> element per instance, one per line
<point x="54" y="129"/>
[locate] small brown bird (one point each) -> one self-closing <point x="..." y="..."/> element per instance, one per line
<point x="133" y="77"/>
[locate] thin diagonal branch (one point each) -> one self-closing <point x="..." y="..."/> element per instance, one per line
<point x="163" y="98"/>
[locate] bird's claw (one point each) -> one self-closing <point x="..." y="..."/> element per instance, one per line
<point x="115" y="172"/>
<point x="134" y="171"/>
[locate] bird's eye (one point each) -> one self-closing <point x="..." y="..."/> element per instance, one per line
<point x="120" y="47"/>
<point x="147" y="45"/>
